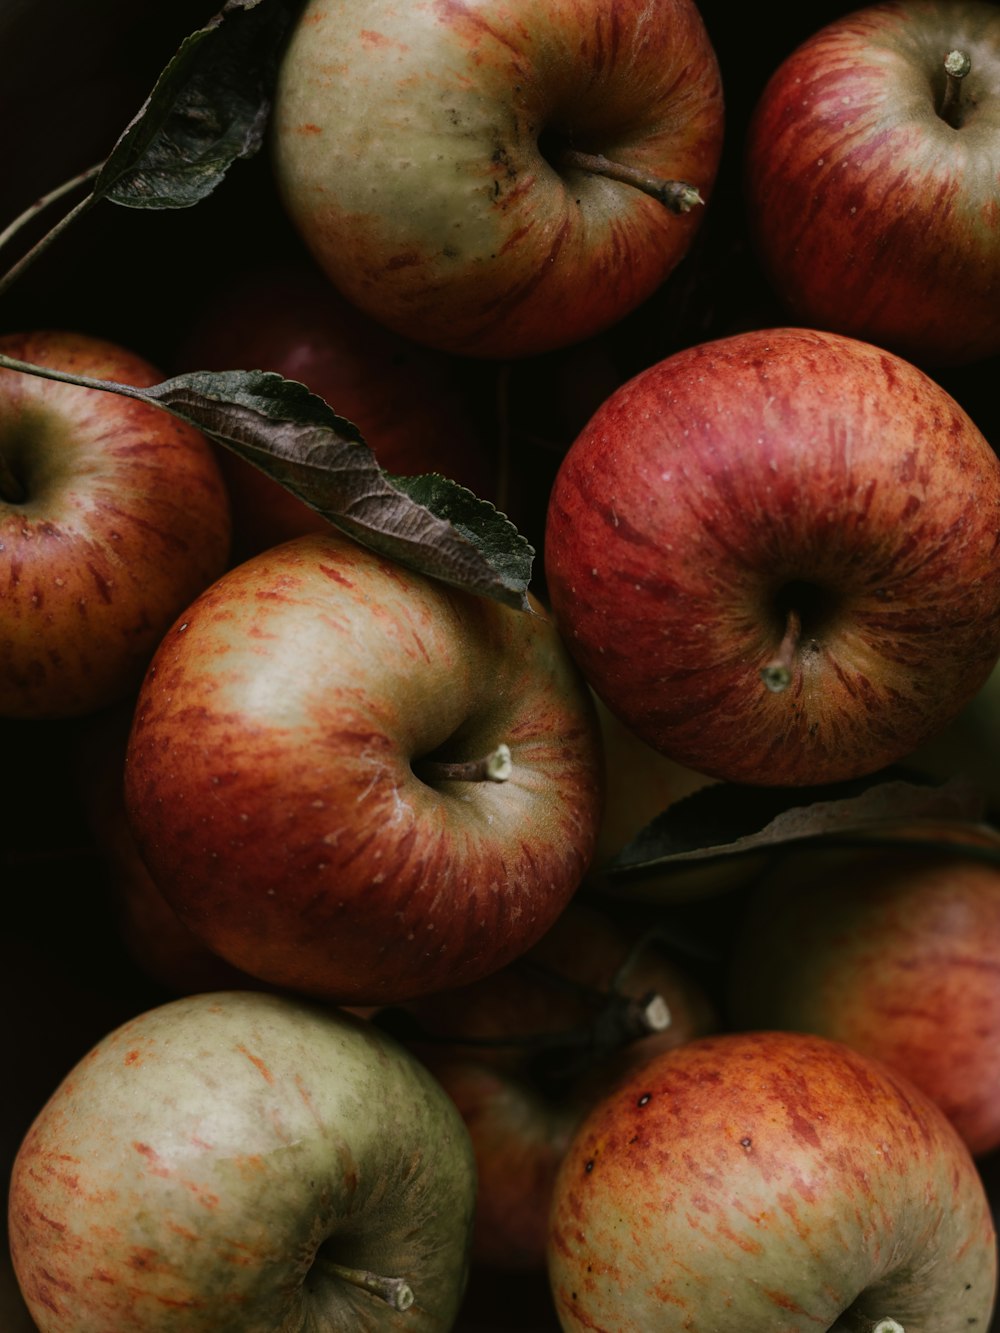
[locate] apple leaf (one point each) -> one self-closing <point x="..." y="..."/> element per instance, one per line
<point x="729" y="819"/>
<point x="209" y="107"/>
<point x="427" y="523"/>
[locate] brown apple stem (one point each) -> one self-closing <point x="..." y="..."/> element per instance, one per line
<point x="496" y="766"/>
<point x="956" y="66"/>
<point x="678" y="196"/>
<point x="11" y="490"/>
<point x="777" y="675"/>
<point x="395" y="1291"/>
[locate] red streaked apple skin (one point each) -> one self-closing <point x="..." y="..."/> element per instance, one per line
<point x="204" y="1165"/>
<point x="409" y="144"/>
<point x="769" y="1181"/>
<point x="871" y="213"/>
<point x="893" y="950"/>
<point x="269" y="780"/>
<point x="122" y="520"/>
<point x="771" y="468"/>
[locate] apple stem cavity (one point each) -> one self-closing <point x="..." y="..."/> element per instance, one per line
<point x="677" y="196"/>
<point x="12" y="492"/>
<point x="777" y="675"/>
<point x="956" y="66"/>
<point x="497" y="766"/>
<point x="396" y="1292"/>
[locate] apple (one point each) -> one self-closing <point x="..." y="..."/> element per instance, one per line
<point x="524" y="1052"/>
<point x="770" y="1180"/>
<point x="152" y="935"/>
<point x="113" y="517"/>
<point x="408" y="401"/>
<point x="871" y="169"/>
<point x="490" y="176"/>
<point x="357" y="782"/>
<point x="894" y="950"/>
<point x="242" y="1161"/>
<point x="774" y="555"/>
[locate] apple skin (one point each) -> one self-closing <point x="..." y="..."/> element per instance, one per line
<point x="271" y="788"/>
<point x="768" y="472"/>
<point x="521" y="1105"/>
<point x="415" y="148"/>
<point x="408" y="402"/>
<point x="892" y="950"/>
<point x="871" y="214"/>
<point x="769" y="1180"/>
<point x="120" y="521"/>
<point x="198" y="1166"/>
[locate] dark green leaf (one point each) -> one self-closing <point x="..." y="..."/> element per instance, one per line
<point x="209" y="107"/>
<point x="728" y="819"/>
<point x="426" y="523"/>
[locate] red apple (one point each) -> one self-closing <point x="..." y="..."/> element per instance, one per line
<point x="475" y="175"/>
<point x="306" y="779"/>
<point x="872" y="178"/>
<point x="154" y="937"/>
<point x="894" y="950"/>
<point x="408" y="401"/>
<point x="775" y="556"/>
<point x="525" y="1052"/>
<point x="775" y="1181"/>
<point x="113" y="517"/>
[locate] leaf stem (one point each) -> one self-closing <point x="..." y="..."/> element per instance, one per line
<point x="67" y="377"/>
<point x="37" y="207"/>
<point x="28" y="258"/>
<point x="677" y="196"/>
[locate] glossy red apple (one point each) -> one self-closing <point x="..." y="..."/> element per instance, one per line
<point x="770" y="1180"/>
<point x="894" y="950"/>
<point x="526" y="1051"/>
<point x="775" y="556"/>
<point x="476" y="175"/>
<point x="113" y="516"/>
<point x="411" y="404"/>
<point x="871" y="178"/>
<point x="306" y="778"/>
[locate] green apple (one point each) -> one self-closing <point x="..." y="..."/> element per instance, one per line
<point x="236" y="1162"/>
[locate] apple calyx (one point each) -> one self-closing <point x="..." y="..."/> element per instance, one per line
<point x="677" y="196"/>
<point x="956" y="66"/>
<point x="497" y="766"/>
<point x="396" y="1292"/>
<point x="777" y="675"/>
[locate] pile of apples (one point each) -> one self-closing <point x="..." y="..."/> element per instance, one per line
<point x="403" y="935"/>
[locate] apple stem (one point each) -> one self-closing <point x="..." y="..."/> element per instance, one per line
<point x="777" y="675"/>
<point x="496" y="766"/>
<point x="678" y="196"/>
<point x="956" y="66"/>
<point x="395" y="1291"/>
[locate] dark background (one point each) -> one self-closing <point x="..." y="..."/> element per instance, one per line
<point x="71" y="76"/>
